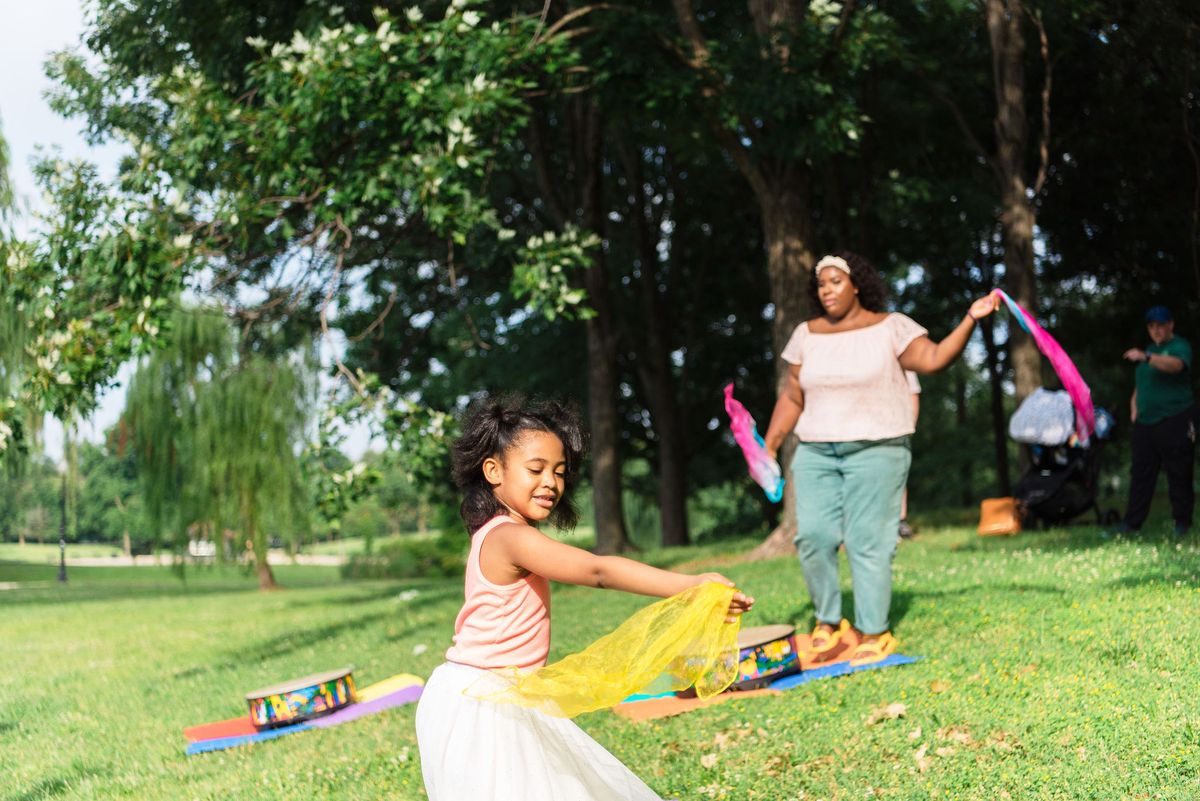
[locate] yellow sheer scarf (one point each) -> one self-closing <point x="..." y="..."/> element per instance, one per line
<point x="676" y="643"/>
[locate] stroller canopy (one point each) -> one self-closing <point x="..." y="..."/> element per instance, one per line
<point x="1046" y="417"/>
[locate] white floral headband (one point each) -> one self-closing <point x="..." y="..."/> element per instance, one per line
<point x="832" y="261"/>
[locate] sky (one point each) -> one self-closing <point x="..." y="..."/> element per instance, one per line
<point x="30" y="32"/>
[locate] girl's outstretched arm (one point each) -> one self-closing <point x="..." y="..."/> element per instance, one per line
<point x="527" y="549"/>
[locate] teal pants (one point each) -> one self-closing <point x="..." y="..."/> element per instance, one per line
<point x="848" y="493"/>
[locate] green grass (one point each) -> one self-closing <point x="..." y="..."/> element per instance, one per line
<point x="1058" y="665"/>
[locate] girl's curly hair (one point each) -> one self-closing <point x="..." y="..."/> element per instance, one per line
<point x="872" y="289"/>
<point x="490" y="428"/>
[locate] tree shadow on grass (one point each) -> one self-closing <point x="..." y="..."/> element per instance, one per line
<point x="1075" y="538"/>
<point x="287" y="642"/>
<point x="280" y="645"/>
<point x="406" y="632"/>
<point x="1078" y="537"/>
<point x="426" y="594"/>
<point x="1181" y="574"/>
<point x="904" y="600"/>
<point x="56" y="786"/>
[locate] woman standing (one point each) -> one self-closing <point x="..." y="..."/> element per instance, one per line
<point x="846" y="397"/>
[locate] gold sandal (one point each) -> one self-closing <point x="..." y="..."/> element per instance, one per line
<point x="822" y="641"/>
<point x="871" y="651"/>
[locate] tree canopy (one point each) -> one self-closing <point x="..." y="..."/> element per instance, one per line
<point x="613" y="203"/>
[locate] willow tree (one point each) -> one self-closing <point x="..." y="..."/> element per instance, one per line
<point x="217" y="430"/>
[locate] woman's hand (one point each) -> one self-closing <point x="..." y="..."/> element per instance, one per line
<point x="983" y="307"/>
<point x="738" y="605"/>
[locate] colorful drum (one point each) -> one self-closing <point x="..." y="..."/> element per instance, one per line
<point x="765" y="653"/>
<point x="301" y="699"/>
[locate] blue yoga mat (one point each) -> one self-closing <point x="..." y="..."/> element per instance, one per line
<point x="838" y="669"/>
<point x="221" y="743"/>
<point x="804" y="677"/>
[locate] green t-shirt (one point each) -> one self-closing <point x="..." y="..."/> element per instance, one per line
<point x="1161" y="395"/>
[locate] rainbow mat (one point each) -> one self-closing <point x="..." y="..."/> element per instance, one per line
<point x="395" y="691"/>
<point x="664" y="705"/>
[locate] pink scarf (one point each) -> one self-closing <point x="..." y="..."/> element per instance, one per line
<point x="1068" y="374"/>
<point x="763" y="469"/>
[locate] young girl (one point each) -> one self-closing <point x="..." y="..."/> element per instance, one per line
<point x="516" y="463"/>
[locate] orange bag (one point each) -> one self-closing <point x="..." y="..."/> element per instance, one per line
<point x="999" y="516"/>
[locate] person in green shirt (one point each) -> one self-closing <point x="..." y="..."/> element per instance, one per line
<point x="1163" y="413"/>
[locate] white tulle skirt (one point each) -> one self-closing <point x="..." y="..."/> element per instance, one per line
<point x="474" y="750"/>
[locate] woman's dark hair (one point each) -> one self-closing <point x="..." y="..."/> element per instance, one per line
<point x="872" y="290"/>
<point x="493" y="425"/>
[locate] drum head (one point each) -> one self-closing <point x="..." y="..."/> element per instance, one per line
<point x="299" y="684"/>
<point x="757" y="635"/>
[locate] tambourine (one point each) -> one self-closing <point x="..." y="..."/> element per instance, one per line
<point x="765" y="653"/>
<point x="301" y="699"/>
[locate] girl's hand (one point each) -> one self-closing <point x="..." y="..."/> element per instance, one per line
<point x="983" y="307"/>
<point x="738" y="605"/>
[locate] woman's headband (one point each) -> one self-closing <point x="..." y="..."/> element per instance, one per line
<point x="832" y="261"/>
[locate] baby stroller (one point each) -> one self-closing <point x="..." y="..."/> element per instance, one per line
<point x="1063" y="480"/>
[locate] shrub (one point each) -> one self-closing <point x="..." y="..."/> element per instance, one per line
<point x="443" y="555"/>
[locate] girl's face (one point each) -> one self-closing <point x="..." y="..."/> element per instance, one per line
<point x="529" y="478"/>
<point x="837" y="292"/>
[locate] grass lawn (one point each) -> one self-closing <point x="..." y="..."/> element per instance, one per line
<point x="1058" y="665"/>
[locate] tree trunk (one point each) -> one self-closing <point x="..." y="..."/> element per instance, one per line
<point x="611" y="536"/>
<point x="962" y="420"/>
<point x="1018" y="217"/>
<point x="788" y="232"/>
<point x="653" y="359"/>
<point x="999" y="423"/>
<point x="584" y="162"/>
<point x="127" y="547"/>
<point x="1018" y="222"/>
<point x="654" y="370"/>
<point x="602" y="420"/>
<point x="258" y="542"/>
<point x="783" y="192"/>
<point x="266" y="579"/>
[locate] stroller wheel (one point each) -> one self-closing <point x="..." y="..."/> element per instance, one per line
<point x="1110" y="517"/>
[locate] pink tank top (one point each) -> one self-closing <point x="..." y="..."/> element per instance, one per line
<point x="501" y="625"/>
